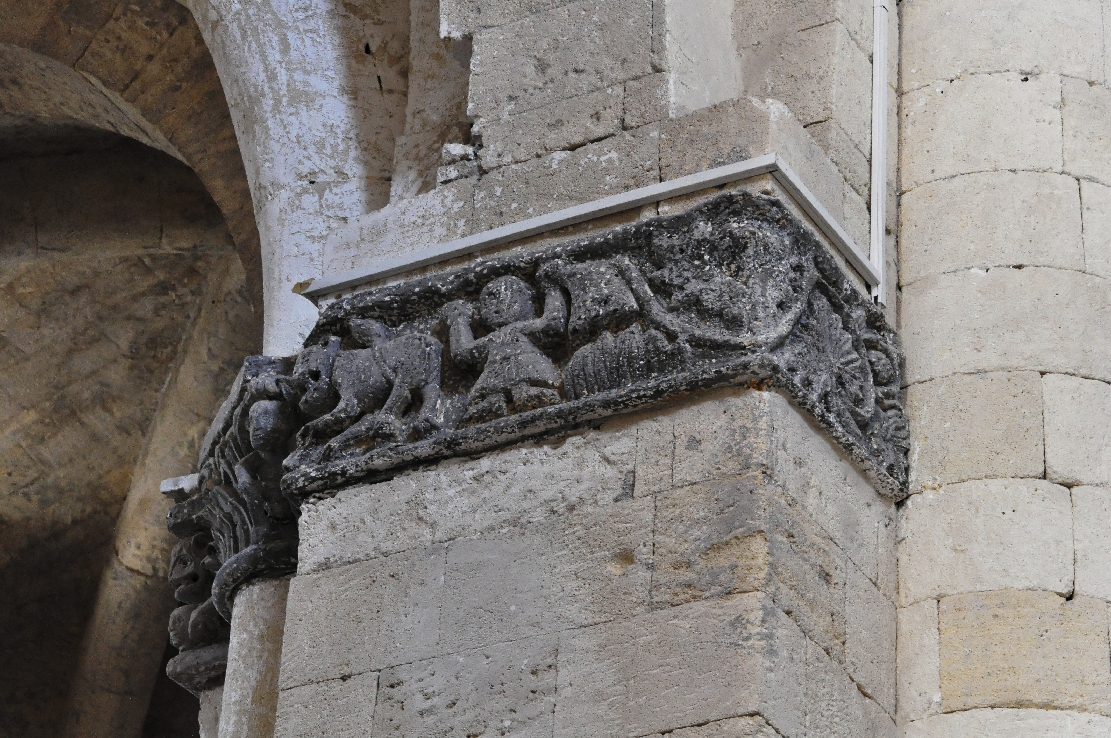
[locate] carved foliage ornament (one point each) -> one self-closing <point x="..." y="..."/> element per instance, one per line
<point x="734" y="291"/>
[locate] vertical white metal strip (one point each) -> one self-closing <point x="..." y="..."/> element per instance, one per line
<point x="879" y="144"/>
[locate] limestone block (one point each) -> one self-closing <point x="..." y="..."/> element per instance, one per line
<point x="362" y="617"/>
<point x="251" y="682"/>
<point x="682" y="666"/>
<point x="655" y="455"/>
<point x="716" y="539"/>
<point x="565" y="178"/>
<point x="1091" y="515"/>
<point x="1024" y="649"/>
<point x="1086" y="108"/>
<point x="646" y="100"/>
<point x="952" y="127"/>
<point x="1077" y="435"/>
<point x="721" y="438"/>
<point x="991" y="219"/>
<point x="208" y="717"/>
<point x="1096" y="199"/>
<point x="418" y="222"/>
<point x="986" y="535"/>
<point x="917" y="667"/>
<point x="952" y="39"/>
<point x="459" y="18"/>
<point x="742" y="727"/>
<point x="1011" y="724"/>
<point x="853" y="163"/>
<point x="466" y="497"/>
<point x="828" y="77"/>
<point x="567" y="124"/>
<point x="698" y="54"/>
<point x="558" y="54"/>
<point x="743" y="129"/>
<point x="975" y="426"/>
<point x="834" y="705"/>
<point x="856" y="221"/>
<point x="564" y="572"/>
<point x="870" y="625"/>
<point x="508" y="689"/>
<point x="337" y="708"/>
<point x="1049" y="320"/>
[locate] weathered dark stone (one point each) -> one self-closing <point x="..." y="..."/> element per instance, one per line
<point x="733" y="291"/>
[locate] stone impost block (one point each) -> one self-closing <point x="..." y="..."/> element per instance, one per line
<point x="1096" y="199"/>
<point x="565" y="178"/>
<point x="1049" y="320"/>
<point x="742" y="727"/>
<point x="743" y="129"/>
<point x="1024" y="649"/>
<point x="991" y="219"/>
<point x="1091" y="513"/>
<point x="646" y="100"/>
<point x="337" y="708"/>
<point x="1011" y="724"/>
<point x="567" y="124"/>
<point x="425" y="220"/>
<point x="952" y="127"/>
<point x="975" y="426"/>
<point x="986" y="535"/>
<point x="690" y="665"/>
<point x="918" y="672"/>
<point x="717" y="539"/>
<point x="466" y="497"/>
<point x="362" y="617"/>
<point x="721" y="438"/>
<point x="459" y="18"/>
<point x="1077" y="435"/>
<point x="559" y="54"/>
<point x="508" y="689"/>
<point x="870" y="629"/>
<point x="951" y="38"/>
<point x="563" y="572"/>
<point x="1086" y="108"/>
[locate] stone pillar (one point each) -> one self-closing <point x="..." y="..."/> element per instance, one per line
<point x="250" y="692"/>
<point x="317" y="93"/>
<point x="126" y="636"/>
<point x="1003" y="582"/>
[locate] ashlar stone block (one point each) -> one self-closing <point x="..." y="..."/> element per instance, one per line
<point x="742" y="727"/>
<point x="466" y="497"/>
<point x="870" y="637"/>
<point x="558" y="54"/>
<point x="1091" y="514"/>
<point x="975" y="426"/>
<point x="508" y="689"/>
<point x="362" y="617"/>
<point x="986" y="535"/>
<point x="1096" y="199"/>
<point x="1085" y="109"/>
<point x="1050" y="320"/>
<point x="991" y="219"/>
<point x="567" y="124"/>
<point x="918" y="669"/>
<point x="698" y="663"/>
<point x="1024" y="649"/>
<point x="952" y="127"/>
<point x="565" y="178"/>
<point x="953" y="38"/>
<point x="647" y="100"/>
<point x="1077" y="435"/>
<point x="337" y="708"/>
<point x="996" y="723"/>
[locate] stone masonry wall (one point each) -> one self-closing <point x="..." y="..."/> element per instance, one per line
<point x="717" y="569"/>
<point x="1006" y="195"/>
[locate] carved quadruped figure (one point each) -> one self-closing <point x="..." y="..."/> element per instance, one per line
<point x="514" y="369"/>
<point x="363" y="396"/>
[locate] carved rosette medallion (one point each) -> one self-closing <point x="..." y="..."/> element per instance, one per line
<point x="736" y="291"/>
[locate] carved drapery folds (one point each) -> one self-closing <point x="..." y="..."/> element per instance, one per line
<point x="734" y="291"/>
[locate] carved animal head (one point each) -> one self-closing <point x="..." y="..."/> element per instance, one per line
<point x="368" y="332"/>
<point x="191" y="580"/>
<point x="505" y="301"/>
<point x="271" y="423"/>
<point x="313" y="374"/>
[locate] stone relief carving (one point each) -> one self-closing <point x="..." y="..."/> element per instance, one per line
<point x="733" y="291"/>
